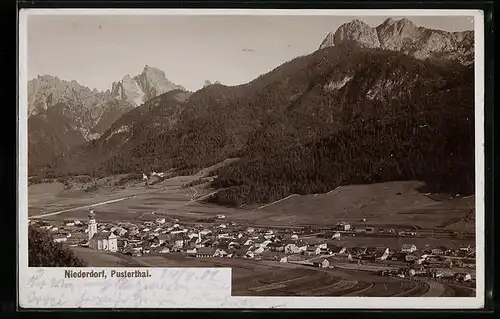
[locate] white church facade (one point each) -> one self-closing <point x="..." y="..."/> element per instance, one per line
<point x="100" y="240"/>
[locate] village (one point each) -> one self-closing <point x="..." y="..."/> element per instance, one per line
<point x="219" y="238"/>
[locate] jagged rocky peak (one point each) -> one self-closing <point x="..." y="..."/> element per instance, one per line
<point x="355" y="30"/>
<point x="208" y="83"/>
<point x="45" y="91"/>
<point x="149" y="83"/>
<point x="404" y="36"/>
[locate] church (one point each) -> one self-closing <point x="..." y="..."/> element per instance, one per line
<point x="101" y="240"/>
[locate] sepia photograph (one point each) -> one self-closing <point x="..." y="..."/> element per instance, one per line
<point x="313" y="155"/>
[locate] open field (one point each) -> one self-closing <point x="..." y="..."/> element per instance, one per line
<point x="396" y="204"/>
<point x="268" y="278"/>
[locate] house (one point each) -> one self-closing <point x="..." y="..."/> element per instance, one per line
<point x="335" y="249"/>
<point x="370" y="230"/>
<point x="191" y="243"/>
<point x="192" y="235"/>
<point x="344" y="256"/>
<point x="382" y="254"/>
<point x="220" y="253"/>
<point x="249" y="254"/>
<point x="336" y="235"/>
<point x="180" y="240"/>
<point x="104" y="241"/>
<point x="320" y="262"/>
<point x="311" y="250"/>
<point x="207" y="243"/>
<point x="358" y="251"/>
<point x="239" y="253"/>
<point x="163" y="239"/>
<point x="250" y="230"/>
<point x="463" y="277"/>
<point x="408" y="248"/>
<point x="276" y="246"/>
<point x="301" y="245"/>
<point x="343" y="226"/>
<point x="59" y="238"/>
<point x="234" y="245"/>
<point x="437" y="251"/>
<point x="324" y="251"/>
<point x="259" y="250"/>
<point x="397" y="256"/>
<point x="283" y="259"/>
<point x="205" y="252"/>
<point x="294" y="237"/>
<point x="205" y="232"/>
<point x="269" y="256"/>
<point x="295" y="247"/>
<point x="446" y="250"/>
<point x="119" y="231"/>
<point x="412" y="257"/>
<point x="265" y="243"/>
<point x="191" y="251"/>
<point x="223" y="235"/>
<point x="164" y="250"/>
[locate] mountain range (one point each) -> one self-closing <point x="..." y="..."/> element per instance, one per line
<point x="64" y="114"/>
<point x="404" y="36"/>
<point x="354" y="111"/>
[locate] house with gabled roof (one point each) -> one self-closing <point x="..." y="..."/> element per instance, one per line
<point x="276" y="246"/>
<point x="358" y="251"/>
<point x="408" y="248"/>
<point x="205" y="252"/>
<point x="220" y="253"/>
<point x="311" y="250"/>
<point x="336" y="249"/>
<point x="104" y="241"/>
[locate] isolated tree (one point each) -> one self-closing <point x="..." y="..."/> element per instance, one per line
<point x="44" y="252"/>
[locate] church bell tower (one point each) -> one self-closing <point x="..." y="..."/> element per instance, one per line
<point x="92" y="225"/>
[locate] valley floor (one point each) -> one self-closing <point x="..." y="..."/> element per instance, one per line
<point x="396" y="205"/>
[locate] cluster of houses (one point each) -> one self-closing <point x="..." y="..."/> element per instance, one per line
<point x="230" y="240"/>
<point x="427" y="272"/>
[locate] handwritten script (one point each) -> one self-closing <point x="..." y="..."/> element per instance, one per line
<point x="166" y="288"/>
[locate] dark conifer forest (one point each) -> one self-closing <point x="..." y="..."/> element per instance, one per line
<point x="342" y="115"/>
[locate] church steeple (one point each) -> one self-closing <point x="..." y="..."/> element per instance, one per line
<point x="92" y="225"/>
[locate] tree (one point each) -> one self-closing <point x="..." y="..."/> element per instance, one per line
<point x="44" y="252"/>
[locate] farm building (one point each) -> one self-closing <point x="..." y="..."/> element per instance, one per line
<point x="60" y="238"/>
<point x="343" y="226"/>
<point x="205" y="252"/>
<point x="408" y="248"/>
<point x="334" y="249"/>
<point x="437" y="251"/>
<point x="321" y="262"/>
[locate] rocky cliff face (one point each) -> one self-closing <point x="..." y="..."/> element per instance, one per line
<point x="404" y="36"/>
<point x="46" y="91"/>
<point x="149" y="83"/>
<point x="65" y="114"/>
<point x="82" y="107"/>
<point x="208" y="83"/>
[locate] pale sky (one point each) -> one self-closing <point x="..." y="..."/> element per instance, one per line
<point x="97" y="50"/>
